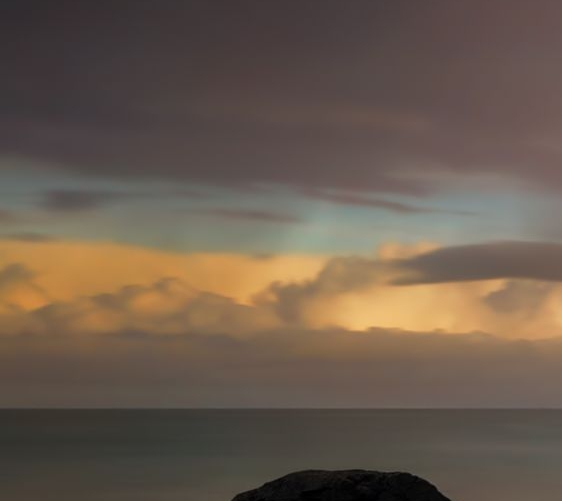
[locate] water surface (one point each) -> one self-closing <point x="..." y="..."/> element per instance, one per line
<point x="209" y="455"/>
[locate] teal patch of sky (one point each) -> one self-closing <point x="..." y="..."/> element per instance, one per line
<point x="173" y="216"/>
<point x="20" y="182"/>
<point x="498" y="215"/>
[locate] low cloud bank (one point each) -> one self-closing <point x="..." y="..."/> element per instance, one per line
<point x="298" y="367"/>
<point x="352" y="335"/>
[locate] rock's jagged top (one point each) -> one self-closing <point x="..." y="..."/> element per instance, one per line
<point x="345" y="485"/>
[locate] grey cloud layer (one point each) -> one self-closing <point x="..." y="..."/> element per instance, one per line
<point x="248" y="215"/>
<point x="367" y="96"/>
<point x="538" y="261"/>
<point x="76" y="200"/>
<point x="294" y="368"/>
<point x="378" y="203"/>
<point x="28" y="237"/>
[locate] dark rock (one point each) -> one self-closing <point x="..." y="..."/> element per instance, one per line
<point x="345" y="485"/>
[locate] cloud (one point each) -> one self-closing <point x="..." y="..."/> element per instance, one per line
<point x="8" y="217"/>
<point x="76" y="200"/>
<point x="518" y="297"/>
<point x="399" y="289"/>
<point x="487" y="261"/>
<point x="19" y="290"/>
<point x="248" y="215"/>
<point x="68" y="269"/>
<point x="344" y="337"/>
<point x="390" y="289"/>
<point x="30" y="237"/>
<point x="168" y="306"/>
<point x="338" y="276"/>
<point x="464" y="263"/>
<point x="283" y="368"/>
<point x="312" y="111"/>
<point x="15" y="273"/>
<point x="352" y="293"/>
<point x="378" y="203"/>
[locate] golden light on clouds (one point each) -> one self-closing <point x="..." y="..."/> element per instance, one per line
<point x="79" y="287"/>
<point x="224" y="329"/>
<point x="70" y="269"/>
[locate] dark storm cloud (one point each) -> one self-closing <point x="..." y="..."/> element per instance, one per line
<point x="526" y="260"/>
<point x="248" y="215"/>
<point x="364" y="95"/>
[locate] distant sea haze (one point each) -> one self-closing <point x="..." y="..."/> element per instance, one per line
<point x="210" y="455"/>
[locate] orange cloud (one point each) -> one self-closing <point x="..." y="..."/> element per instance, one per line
<point x="70" y="269"/>
<point x="81" y="288"/>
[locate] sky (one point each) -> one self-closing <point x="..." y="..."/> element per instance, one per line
<point x="307" y="203"/>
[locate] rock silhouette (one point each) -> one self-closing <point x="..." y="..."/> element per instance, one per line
<point x="345" y="485"/>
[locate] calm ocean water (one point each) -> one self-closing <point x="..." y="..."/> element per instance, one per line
<point x="203" y="455"/>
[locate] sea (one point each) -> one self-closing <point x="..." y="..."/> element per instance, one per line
<point x="211" y="455"/>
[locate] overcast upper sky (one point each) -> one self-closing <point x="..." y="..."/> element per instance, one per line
<point x="315" y="196"/>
